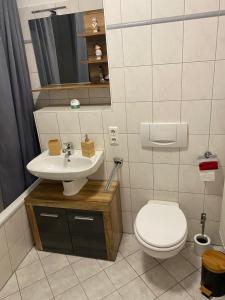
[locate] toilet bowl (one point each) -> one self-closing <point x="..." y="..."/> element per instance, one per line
<point x="161" y="229"/>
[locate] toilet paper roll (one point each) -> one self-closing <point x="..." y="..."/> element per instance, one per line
<point x="207" y="175"/>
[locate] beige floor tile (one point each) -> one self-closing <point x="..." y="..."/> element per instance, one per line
<point x="40" y="290"/>
<point x="98" y="286"/>
<point x="10" y="288"/>
<point x="15" y="296"/>
<point x="120" y="273"/>
<point x="31" y="257"/>
<point x="192" y="285"/>
<point x="128" y="245"/>
<point x="113" y="296"/>
<point x="62" y="280"/>
<point x="106" y="263"/>
<point x="76" y="293"/>
<point x="86" y="268"/>
<point x="158" y="280"/>
<point x="137" y="290"/>
<point x="43" y="254"/>
<point x="141" y="262"/>
<point x="54" y="262"/>
<point x="178" y="267"/>
<point x="30" y="274"/>
<point x="189" y="254"/>
<point x="72" y="258"/>
<point x="176" y="293"/>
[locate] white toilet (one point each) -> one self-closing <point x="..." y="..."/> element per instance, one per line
<point x="161" y="229"/>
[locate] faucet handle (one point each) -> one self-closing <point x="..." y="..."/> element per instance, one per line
<point x="68" y="145"/>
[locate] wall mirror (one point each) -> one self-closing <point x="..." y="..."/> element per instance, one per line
<point x="70" y="50"/>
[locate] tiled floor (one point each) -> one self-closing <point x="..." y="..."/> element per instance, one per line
<point x="134" y="276"/>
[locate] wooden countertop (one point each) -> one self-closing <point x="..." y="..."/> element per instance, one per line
<point x="92" y="196"/>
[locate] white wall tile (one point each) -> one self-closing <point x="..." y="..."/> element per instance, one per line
<point x="193" y="228"/>
<point x="114" y="48"/>
<point x="35" y="81"/>
<point x="119" y="150"/>
<point x="115" y="117"/>
<point x="212" y="229"/>
<point x="167" y="43"/>
<point x="197" y="146"/>
<point x="127" y="222"/>
<point x="25" y="15"/>
<point x="91" y="122"/>
<point x="117" y="85"/>
<point x="141" y="175"/>
<point x="217" y="146"/>
<point x="167" y="82"/>
<point x="166" y="156"/>
<point x="220" y="51"/>
<point x="168" y="111"/>
<point x="193" y="6"/>
<point x="46" y="122"/>
<point x="85" y="5"/>
<point x="212" y="207"/>
<point x="139" y="198"/>
<point x="166" y="196"/>
<point x="191" y="205"/>
<point x="222" y="4"/>
<point x="138" y="83"/>
<point x="112" y="11"/>
<point x="219" y="87"/>
<point x="137" y="113"/>
<point x="197" y="80"/>
<point x="192" y="112"/>
<point x="197" y="34"/>
<point x="133" y="36"/>
<point x="68" y="122"/>
<point x="31" y="60"/>
<point x="3" y="242"/>
<point x="136" y="152"/>
<point x="166" y="177"/>
<point x="133" y="10"/>
<point x="125" y="195"/>
<point x="217" y="118"/>
<point x="164" y="8"/>
<point x="189" y="180"/>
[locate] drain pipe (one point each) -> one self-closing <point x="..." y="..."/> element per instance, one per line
<point x="118" y="163"/>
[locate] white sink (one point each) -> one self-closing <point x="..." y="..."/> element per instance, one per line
<point x="72" y="172"/>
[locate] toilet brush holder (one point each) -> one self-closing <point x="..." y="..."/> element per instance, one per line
<point x="201" y="243"/>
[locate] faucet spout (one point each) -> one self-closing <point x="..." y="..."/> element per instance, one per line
<point x="68" y="150"/>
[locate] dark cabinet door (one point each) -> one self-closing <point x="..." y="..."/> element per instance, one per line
<point x="53" y="229"/>
<point x="87" y="233"/>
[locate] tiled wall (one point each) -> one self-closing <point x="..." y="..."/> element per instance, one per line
<point x="86" y="96"/>
<point x="162" y="73"/>
<point x="15" y="243"/>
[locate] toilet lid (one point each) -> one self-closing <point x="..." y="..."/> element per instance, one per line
<point x="161" y="226"/>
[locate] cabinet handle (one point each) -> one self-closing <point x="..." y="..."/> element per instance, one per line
<point x="84" y="218"/>
<point x="49" y="215"/>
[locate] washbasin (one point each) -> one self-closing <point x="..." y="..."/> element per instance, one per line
<point x="73" y="172"/>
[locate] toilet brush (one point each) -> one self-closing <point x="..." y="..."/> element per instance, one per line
<point x="201" y="240"/>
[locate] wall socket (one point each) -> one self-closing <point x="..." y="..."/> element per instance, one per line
<point x="113" y="135"/>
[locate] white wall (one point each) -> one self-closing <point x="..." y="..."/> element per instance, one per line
<point x="169" y="72"/>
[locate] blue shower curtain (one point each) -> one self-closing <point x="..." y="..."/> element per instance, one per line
<point x="18" y="140"/>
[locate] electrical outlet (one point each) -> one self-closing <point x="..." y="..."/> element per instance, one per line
<point x="114" y="140"/>
<point x="113" y="130"/>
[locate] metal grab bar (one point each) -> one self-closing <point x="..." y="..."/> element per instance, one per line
<point x="118" y="163"/>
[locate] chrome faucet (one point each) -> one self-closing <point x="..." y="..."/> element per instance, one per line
<point x="68" y="150"/>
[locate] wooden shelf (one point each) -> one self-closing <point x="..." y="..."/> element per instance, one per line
<point x="74" y="86"/>
<point x="92" y="60"/>
<point x="91" y="34"/>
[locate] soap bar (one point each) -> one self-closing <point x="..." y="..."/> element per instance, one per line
<point x="54" y="147"/>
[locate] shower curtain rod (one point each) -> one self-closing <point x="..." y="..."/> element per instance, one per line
<point x="168" y="19"/>
<point x="47" y="9"/>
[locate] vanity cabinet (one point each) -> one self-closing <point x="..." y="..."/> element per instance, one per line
<point x="88" y="224"/>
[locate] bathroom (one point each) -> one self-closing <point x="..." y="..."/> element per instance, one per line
<point x="161" y="62"/>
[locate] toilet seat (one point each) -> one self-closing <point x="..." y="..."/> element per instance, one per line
<point x="160" y="225"/>
<point x="161" y="229"/>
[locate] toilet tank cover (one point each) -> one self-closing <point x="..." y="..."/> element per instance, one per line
<point x="161" y="226"/>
